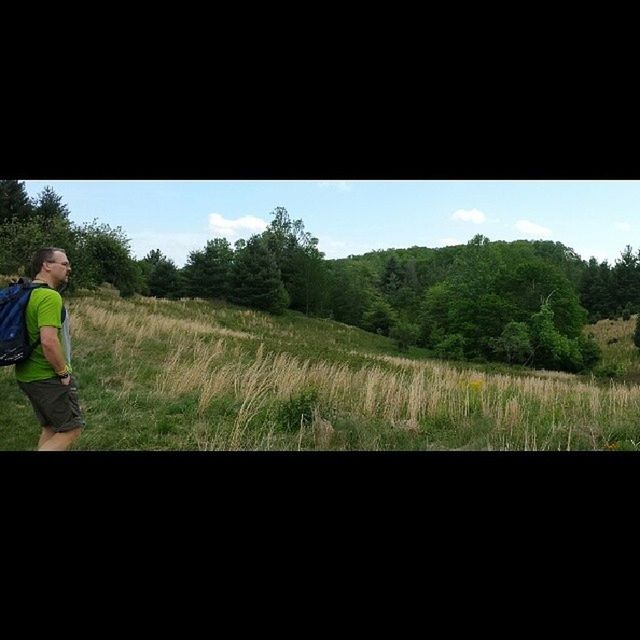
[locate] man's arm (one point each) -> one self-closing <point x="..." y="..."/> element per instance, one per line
<point x="52" y="350"/>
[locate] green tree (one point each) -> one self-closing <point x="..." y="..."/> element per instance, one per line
<point x="590" y="351"/>
<point x="526" y="283"/>
<point x="26" y="226"/>
<point x="479" y="241"/>
<point x="162" y="276"/>
<point x="14" y="201"/>
<point x="434" y="318"/>
<point x="561" y="256"/>
<point x="514" y="344"/>
<point x="626" y="278"/>
<point x="20" y="238"/>
<point x="545" y="337"/>
<point x="379" y="318"/>
<point x="408" y="295"/>
<point x="307" y="284"/>
<point x="392" y="277"/>
<point x="207" y="273"/>
<point x="299" y="260"/>
<point x="101" y="254"/>
<point x="596" y="289"/>
<point x="256" y="278"/>
<point x="352" y="291"/>
<point x="49" y="206"/>
<point x="451" y="347"/>
<point x="405" y="334"/>
<point x="553" y="350"/>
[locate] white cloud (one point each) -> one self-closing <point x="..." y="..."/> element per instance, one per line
<point x="175" y="246"/>
<point x="469" y="215"/>
<point x="622" y="226"/>
<point x="178" y="246"/>
<point x="447" y="242"/>
<point x="341" y="185"/>
<point x="333" y="249"/>
<point x="222" y="227"/>
<point x="598" y="254"/>
<point x="532" y="229"/>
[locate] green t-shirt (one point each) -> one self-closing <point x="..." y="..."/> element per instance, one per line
<point x="44" y="309"/>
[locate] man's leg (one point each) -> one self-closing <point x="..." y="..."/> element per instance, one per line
<point x="47" y="434"/>
<point x="55" y="404"/>
<point x="61" y="441"/>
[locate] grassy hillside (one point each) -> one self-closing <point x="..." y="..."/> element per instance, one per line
<point x="620" y="357"/>
<point x="193" y="375"/>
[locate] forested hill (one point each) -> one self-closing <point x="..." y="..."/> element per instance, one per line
<point x="433" y="264"/>
<point x="513" y="301"/>
<point x="604" y="290"/>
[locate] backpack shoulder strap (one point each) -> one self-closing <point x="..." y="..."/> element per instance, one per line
<point x="31" y="286"/>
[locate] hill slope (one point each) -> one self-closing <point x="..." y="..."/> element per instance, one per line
<point x="193" y="375"/>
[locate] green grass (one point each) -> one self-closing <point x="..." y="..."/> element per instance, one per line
<point x="196" y="375"/>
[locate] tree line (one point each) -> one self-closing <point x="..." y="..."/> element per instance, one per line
<point x="522" y="302"/>
<point x="278" y="269"/>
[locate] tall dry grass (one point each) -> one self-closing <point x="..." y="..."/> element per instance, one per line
<point x="190" y="349"/>
<point x="414" y="392"/>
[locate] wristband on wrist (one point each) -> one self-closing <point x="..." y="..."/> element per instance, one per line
<point x="63" y="374"/>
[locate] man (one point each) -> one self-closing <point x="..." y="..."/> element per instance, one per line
<point x="45" y="377"/>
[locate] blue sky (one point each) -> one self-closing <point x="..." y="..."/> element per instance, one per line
<point x="594" y="217"/>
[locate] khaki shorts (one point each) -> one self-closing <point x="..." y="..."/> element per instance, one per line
<point x="55" y="404"/>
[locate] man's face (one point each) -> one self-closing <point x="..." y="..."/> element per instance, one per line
<point x="60" y="267"/>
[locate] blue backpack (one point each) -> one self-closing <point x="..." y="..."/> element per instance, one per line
<point x="14" y="339"/>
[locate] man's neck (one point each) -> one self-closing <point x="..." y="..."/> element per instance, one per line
<point x="44" y="280"/>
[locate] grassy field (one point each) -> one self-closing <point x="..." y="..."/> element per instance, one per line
<point x="195" y="375"/>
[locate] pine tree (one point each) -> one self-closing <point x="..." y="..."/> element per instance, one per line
<point x="392" y="276"/>
<point x="208" y="272"/>
<point x="351" y="291"/>
<point x="14" y="201"/>
<point x="256" y="278"/>
<point x="379" y="318"/>
<point x="49" y="206"/>
<point x="161" y="274"/>
<point x="626" y="278"/>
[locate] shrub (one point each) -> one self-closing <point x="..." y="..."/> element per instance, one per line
<point x="379" y="318"/>
<point x="611" y="370"/>
<point x="296" y="412"/>
<point x="405" y="334"/>
<point x="590" y="351"/>
<point x="552" y="349"/>
<point x="451" y="348"/>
